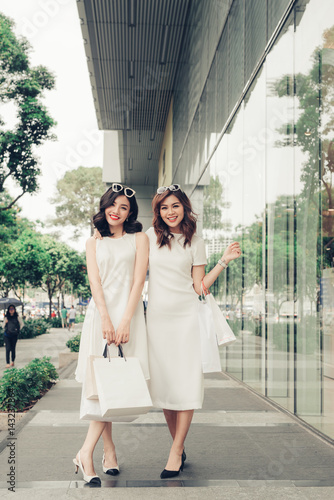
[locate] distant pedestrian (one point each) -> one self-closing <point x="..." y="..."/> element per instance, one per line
<point x="53" y="314"/>
<point x="64" y="317"/>
<point x="12" y="326"/>
<point x="71" y="317"/>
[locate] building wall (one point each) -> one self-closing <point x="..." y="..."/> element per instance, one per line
<point x="254" y="152"/>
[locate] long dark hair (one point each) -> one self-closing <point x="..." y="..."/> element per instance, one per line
<point x="188" y="224"/>
<point x="8" y="315"/>
<point x="107" y="199"/>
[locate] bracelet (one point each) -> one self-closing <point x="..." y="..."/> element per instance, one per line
<point x="222" y="263"/>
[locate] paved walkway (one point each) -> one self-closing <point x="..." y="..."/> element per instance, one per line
<point x="239" y="446"/>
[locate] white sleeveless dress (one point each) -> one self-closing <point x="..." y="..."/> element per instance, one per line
<point x="116" y="261"/>
<point x="172" y="324"/>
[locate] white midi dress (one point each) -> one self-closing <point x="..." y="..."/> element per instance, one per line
<point x="172" y="324"/>
<point x="116" y="261"/>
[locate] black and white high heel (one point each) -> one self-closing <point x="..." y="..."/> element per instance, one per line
<point x="114" y="471"/>
<point x="88" y="479"/>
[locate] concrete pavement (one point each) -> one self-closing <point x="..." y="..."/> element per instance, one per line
<point x="239" y="446"/>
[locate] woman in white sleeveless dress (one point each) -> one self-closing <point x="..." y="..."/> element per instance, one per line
<point x="176" y="269"/>
<point x="117" y="267"/>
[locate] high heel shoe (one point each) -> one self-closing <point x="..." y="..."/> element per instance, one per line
<point x="184" y="456"/>
<point x="112" y="472"/>
<point x="88" y="479"/>
<point x="167" y="474"/>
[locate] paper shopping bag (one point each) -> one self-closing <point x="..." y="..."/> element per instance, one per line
<point x="209" y="347"/>
<point x="121" y="387"/>
<point x="224" y="334"/>
<point x="90" y="382"/>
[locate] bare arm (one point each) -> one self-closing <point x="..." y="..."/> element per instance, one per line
<point x="198" y="272"/>
<point x="142" y="250"/>
<point x="108" y="330"/>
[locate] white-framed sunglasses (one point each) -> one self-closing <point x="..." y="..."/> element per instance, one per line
<point x="117" y="188"/>
<point x="173" y="187"/>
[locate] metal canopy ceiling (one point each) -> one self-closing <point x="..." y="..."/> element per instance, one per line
<point x="132" y="49"/>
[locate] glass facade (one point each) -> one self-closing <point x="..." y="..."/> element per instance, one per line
<point x="255" y="152"/>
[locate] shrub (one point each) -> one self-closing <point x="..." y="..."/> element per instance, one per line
<point x="34" y="327"/>
<point x="74" y="343"/>
<point x="80" y="318"/>
<point x="20" y="387"/>
<point x="55" y="322"/>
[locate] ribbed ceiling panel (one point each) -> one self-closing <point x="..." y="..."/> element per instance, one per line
<point x="133" y="88"/>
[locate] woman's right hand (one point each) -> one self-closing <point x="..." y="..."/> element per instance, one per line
<point x="97" y="235"/>
<point x="108" y="330"/>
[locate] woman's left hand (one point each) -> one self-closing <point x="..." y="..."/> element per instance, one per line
<point x="233" y="251"/>
<point x="123" y="333"/>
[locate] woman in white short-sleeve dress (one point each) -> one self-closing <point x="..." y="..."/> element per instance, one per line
<point x="176" y="269"/>
<point x="117" y="266"/>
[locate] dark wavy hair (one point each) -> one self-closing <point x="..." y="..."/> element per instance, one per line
<point x="188" y="224"/>
<point x="99" y="219"/>
<point x="8" y="315"/>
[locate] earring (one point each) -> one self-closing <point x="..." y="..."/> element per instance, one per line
<point x="127" y="219"/>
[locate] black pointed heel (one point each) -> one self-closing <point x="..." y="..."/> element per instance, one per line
<point x="167" y="474"/>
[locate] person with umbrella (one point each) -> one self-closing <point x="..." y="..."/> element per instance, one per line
<point x="12" y="326"/>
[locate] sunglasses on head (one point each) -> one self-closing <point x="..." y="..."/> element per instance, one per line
<point x="117" y="188"/>
<point x="173" y="187"/>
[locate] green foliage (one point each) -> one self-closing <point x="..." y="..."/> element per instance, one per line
<point x="34" y="327"/>
<point x="23" y="86"/>
<point x="24" y="261"/>
<point x="74" y="343"/>
<point x="19" y="387"/>
<point x="78" y="197"/>
<point x="63" y="264"/>
<point x="213" y="206"/>
<point x="80" y="318"/>
<point x="55" y="322"/>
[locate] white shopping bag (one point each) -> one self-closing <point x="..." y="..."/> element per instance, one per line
<point x="224" y="334"/>
<point x="209" y="346"/>
<point x="121" y="387"/>
<point x="90" y="382"/>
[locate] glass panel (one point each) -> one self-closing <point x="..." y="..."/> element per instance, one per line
<point x="314" y="63"/>
<point x="236" y="52"/>
<point x="255" y="33"/>
<point x="222" y="81"/>
<point x="280" y="304"/>
<point x="253" y="306"/>
<point x="276" y="9"/>
<point x="234" y="212"/>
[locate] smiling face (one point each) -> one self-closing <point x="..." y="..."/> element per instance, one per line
<point x="11" y="310"/>
<point x="117" y="213"/>
<point x="172" y="213"/>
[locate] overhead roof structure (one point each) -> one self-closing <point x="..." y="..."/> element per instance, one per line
<point x="132" y="49"/>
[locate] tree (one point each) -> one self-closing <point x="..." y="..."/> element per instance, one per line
<point x="213" y="206"/>
<point x="62" y="265"/>
<point x="77" y="198"/>
<point x="23" y="264"/>
<point x="23" y="86"/>
<point x="313" y="134"/>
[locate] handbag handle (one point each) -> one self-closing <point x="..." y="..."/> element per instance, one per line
<point x="106" y="352"/>
<point x="204" y="292"/>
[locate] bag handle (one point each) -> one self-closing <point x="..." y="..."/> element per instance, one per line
<point x="106" y="352"/>
<point x="204" y="291"/>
